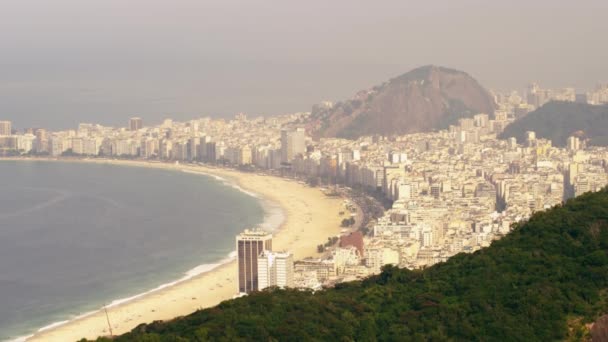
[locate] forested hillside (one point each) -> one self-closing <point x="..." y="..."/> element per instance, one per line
<point x="542" y="282"/>
<point x="557" y="121"/>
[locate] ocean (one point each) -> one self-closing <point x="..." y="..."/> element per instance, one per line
<point x="75" y="237"/>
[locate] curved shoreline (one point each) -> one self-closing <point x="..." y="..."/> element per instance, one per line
<point x="268" y="206"/>
<point x="299" y="204"/>
<point x="196" y="271"/>
<point x="268" y="222"/>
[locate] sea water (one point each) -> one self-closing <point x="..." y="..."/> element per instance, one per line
<point x="75" y="237"/>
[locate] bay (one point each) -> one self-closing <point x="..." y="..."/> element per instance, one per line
<point x="75" y="236"/>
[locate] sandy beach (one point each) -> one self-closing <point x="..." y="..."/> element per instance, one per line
<point x="310" y="218"/>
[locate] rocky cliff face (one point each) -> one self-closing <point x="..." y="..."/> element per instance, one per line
<point x="424" y="99"/>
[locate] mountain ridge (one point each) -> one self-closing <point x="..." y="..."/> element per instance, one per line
<point x="558" y="120"/>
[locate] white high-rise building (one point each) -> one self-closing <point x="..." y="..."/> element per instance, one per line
<point x="377" y="256"/>
<point x="293" y="142"/>
<point x="58" y="145"/>
<point x="149" y="148"/>
<point x="6" y="128"/>
<point x="530" y="138"/>
<point x="275" y="269"/>
<point x="574" y="143"/>
<point x="426" y="237"/>
<point x="41" y="143"/>
<point x="481" y="120"/>
<point x="90" y="146"/>
<point x="25" y="142"/>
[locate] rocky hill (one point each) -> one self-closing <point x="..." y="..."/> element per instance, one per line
<point x="557" y="121"/>
<point x="421" y="100"/>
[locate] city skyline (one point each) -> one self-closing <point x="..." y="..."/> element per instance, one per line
<point x="464" y="171"/>
<point x="318" y="170"/>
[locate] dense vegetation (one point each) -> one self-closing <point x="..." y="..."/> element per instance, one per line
<point x="557" y="121"/>
<point x="542" y="282"/>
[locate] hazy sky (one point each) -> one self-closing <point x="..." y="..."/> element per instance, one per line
<point x="68" y="61"/>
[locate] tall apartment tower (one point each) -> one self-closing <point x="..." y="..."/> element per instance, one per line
<point x="41" y="144"/>
<point x="530" y="138"/>
<point x="6" y="128"/>
<point x="275" y="269"/>
<point x="293" y="142"/>
<point x="574" y="143"/>
<point x="135" y="124"/>
<point x="249" y="245"/>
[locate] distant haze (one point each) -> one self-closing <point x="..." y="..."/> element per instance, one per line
<point x="68" y="61"/>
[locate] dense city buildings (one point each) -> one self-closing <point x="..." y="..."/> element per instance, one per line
<point x="451" y="191"/>
<point x="250" y="245"/>
<point x="598" y="96"/>
<point x="538" y="97"/>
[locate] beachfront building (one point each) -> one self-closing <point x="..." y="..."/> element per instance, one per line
<point x="275" y="269"/>
<point x="249" y="245"/>
<point x="293" y="142"/>
<point x="6" y="128"/>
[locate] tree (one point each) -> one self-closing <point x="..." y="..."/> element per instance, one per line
<point x="544" y="281"/>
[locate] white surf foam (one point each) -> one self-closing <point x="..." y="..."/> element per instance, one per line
<point x="198" y="270"/>
<point x="274" y="217"/>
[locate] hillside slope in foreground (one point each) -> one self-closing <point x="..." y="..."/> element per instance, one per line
<point x="545" y="281"/>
